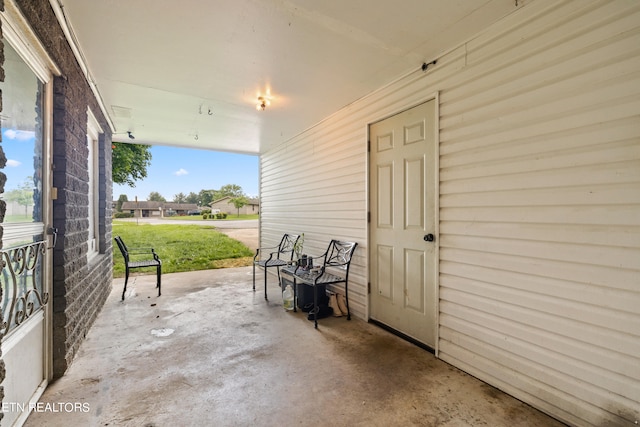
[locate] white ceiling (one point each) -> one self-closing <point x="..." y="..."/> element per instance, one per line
<point x="188" y="73"/>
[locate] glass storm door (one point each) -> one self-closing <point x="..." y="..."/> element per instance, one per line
<point x="24" y="257"/>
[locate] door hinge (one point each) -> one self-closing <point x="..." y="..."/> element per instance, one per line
<point x="368" y="146"/>
<point x="369" y="217"/>
<point x="368" y="287"/>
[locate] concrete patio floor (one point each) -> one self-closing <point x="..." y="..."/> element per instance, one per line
<point x="210" y="351"/>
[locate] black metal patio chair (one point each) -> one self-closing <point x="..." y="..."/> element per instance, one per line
<point x="274" y="256"/>
<point x="334" y="269"/>
<point x="139" y="253"/>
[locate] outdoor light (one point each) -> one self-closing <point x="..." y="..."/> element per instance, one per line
<point x="130" y="135"/>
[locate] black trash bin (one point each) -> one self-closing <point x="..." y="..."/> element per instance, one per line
<point x="304" y="294"/>
<point x="305" y="297"/>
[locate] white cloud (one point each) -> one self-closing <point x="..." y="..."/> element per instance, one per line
<point x="181" y="172"/>
<point x="13" y="163"/>
<point x="19" y="135"/>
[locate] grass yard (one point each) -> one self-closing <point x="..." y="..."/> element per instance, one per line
<point x="230" y="217"/>
<point x="180" y="247"/>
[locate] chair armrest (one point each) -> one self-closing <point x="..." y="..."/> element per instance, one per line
<point x="136" y="253"/>
<point x="255" y="257"/>
<point x="140" y="250"/>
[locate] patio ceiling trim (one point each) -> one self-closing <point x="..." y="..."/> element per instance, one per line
<point x="58" y="9"/>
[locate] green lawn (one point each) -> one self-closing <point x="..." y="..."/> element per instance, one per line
<point x="18" y="218"/>
<point x="181" y="247"/>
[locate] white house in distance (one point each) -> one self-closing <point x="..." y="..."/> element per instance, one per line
<point x="226" y="205"/>
<point x="149" y="209"/>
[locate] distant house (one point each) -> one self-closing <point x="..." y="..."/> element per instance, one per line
<point x="226" y="205"/>
<point x="158" y="209"/>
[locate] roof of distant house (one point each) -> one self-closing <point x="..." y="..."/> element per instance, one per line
<point x="250" y="201"/>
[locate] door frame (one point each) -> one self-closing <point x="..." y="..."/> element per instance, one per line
<point x="51" y="239"/>
<point x="17" y="31"/>
<point x="435" y="275"/>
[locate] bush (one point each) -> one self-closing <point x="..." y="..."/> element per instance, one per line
<point x="205" y="216"/>
<point x="123" y="215"/>
<point x="206" y="211"/>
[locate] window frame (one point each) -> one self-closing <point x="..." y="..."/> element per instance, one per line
<point x="94" y="130"/>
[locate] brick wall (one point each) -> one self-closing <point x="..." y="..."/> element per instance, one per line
<point x="80" y="288"/>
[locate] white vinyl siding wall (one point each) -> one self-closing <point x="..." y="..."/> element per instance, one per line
<point x="539" y="203"/>
<point x="540" y="210"/>
<point x="320" y="192"/>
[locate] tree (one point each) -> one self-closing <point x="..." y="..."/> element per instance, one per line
<point x="154" y="196"/>
<point x="239" y="202"/>
<point x="229" y="190"/>
<point x="180" y="198"/>
<point x="123" y="198"/>
<point x="130" y="162"/>
<point x="205" y="197"/>
<point x="192" y="198"/>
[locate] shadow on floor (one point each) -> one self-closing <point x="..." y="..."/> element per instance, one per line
<point x="210" y="351"/>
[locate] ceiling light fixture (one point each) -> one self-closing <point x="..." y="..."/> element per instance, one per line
<point x="263" y="102"/>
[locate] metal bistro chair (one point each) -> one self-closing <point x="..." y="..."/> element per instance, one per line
<point x="337" y="257"/>
<point x="139" y="263"/>
<point x="279" y="256"/>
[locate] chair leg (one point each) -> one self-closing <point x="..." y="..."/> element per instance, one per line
<point x="265" y="283"/>
<point x="126" y="279"/>
<point x="295" y="295"/>
<point x="346" y="297"/>
<point x="316" y="309"/>
<point x="159" y="273"/>
<point x="279" y="280"/>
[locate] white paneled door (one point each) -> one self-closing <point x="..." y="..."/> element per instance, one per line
<point x="403" y="192"/>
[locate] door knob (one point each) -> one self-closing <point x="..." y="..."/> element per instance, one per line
<point x="429" y="237"/>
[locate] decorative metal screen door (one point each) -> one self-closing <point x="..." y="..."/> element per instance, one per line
<point x="403" y="191"/>
<point x="24" y="257"/>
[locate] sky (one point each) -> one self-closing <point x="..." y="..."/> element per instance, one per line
<point x="182" y="170"/>
<point x="172" y="171"/>
<point x="18" y="147"/>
